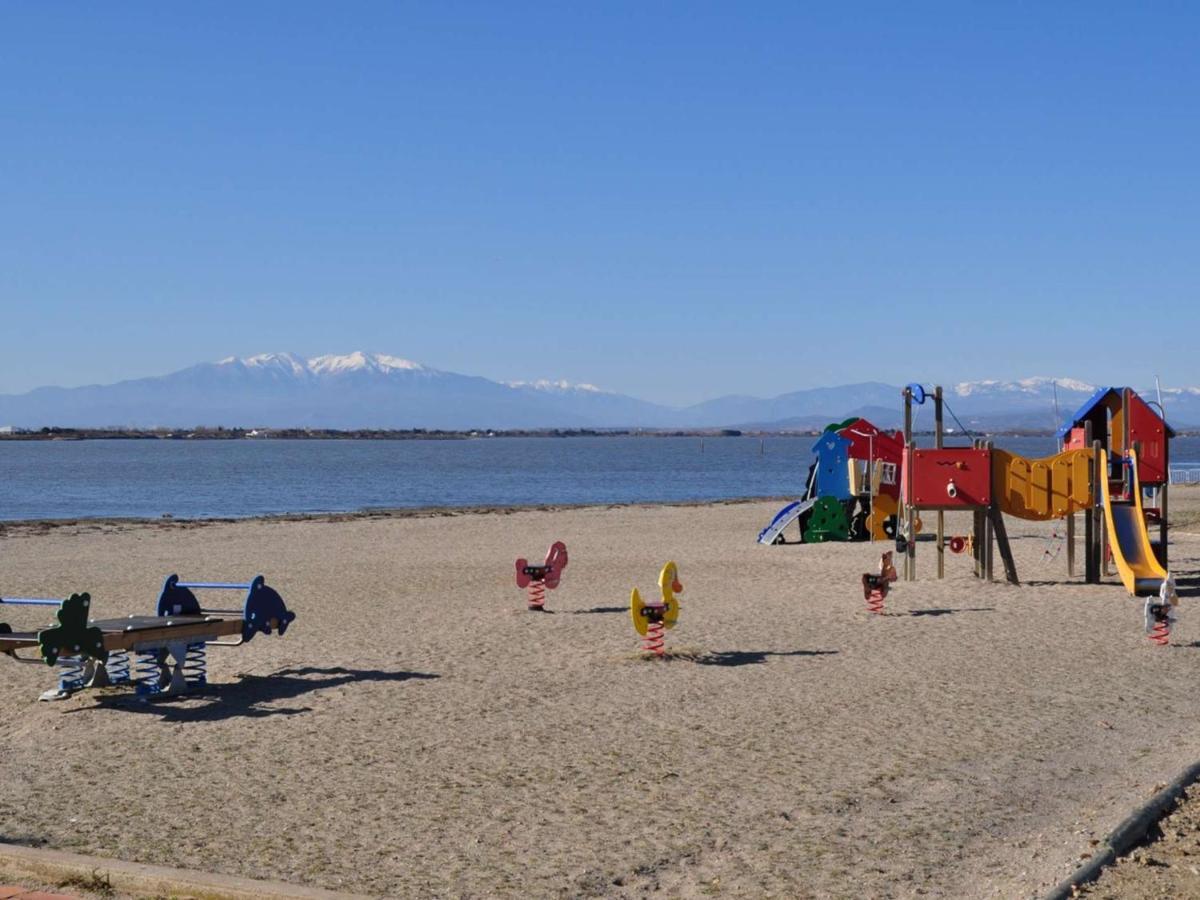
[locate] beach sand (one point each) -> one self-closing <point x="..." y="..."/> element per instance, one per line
<point x="418" y="733"/>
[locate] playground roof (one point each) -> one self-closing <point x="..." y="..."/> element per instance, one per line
<point x="1102" y="395"/>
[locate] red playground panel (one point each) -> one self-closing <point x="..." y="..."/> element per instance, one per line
<point x="952" y="478"/>
<point x="1075" y="440"/>
<point x="869" y="442"/>
<point x="1147" y="430"/>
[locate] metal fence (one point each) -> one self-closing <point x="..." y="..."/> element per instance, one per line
<point x="1187" y="474"/>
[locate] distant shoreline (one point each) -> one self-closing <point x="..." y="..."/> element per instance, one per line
<point x="422" y="434"/>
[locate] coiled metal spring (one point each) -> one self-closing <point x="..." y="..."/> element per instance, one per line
<point x="149" y="669"/>
<point x="654" y="639"/>
<point x="195" y="665"/>
<point x="875" y="591"/>
<point x="118" y="667"/>
<point x="537" y="594"/>
<point x="72" y="676"/>
<point x="1160" y="633"/>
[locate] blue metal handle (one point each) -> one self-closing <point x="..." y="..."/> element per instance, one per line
<point x="213" y="585"/>
<point x="29" y="601"/>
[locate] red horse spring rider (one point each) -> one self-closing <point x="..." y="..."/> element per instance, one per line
<point x="875" y="587"/>
<point x="539" y="579"/>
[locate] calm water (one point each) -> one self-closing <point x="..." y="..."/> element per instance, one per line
<point x="196" y="479"/>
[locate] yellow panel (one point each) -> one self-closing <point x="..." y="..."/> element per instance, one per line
<point x="1081" y="483"/>
<point x="1060" y="485"/>
<point x="640" y="622"/>
<point x="882" y="506"/>
<point x="1047" y="488"/>
<point x="858" y="479"/>
<point x="1039" y="486"/>
<point x="669" y="584"/>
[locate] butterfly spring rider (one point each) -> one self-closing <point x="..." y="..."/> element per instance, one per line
<point x="539" y="579"/>
<point x="168" y="649"/>
<point x="651" y="619"/>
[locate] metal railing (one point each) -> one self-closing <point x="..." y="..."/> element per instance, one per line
<point x="1188" y="473"/>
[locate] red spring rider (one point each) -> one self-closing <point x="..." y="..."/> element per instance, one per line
<point x="875" y="587"/>
<point x="539" y="579"/>
<point x="1160" y="612"/>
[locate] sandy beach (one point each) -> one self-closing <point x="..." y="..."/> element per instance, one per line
<point x="418" y="733"/>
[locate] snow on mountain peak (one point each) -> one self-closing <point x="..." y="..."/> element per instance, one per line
<point x="1035" y="385"/>
<point x="329" y="364"/>
<point x="288" y="362"/>
<point x="557" y="387"/>
<point x="358" y="361"/>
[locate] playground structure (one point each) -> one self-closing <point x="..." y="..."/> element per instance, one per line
<point x="539" y="579"/>
<point x="1114" y="450"/>
<point x="652" y="619"/>
<point x="168" y="649"/>
<point x="875" y="587"/>
<point x="853" y="487"/>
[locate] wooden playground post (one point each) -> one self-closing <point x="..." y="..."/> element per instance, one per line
<point x="941" y="515"/>
<point x="1062" y="445"/>
<point x="1097" y="518"/>
<point x="910" y="551"/>
<point x="1163" y="532"/>
<point x="1091" y="571"/>
<point x="977" y="534"/>
<point x="988" y="531"/>
<point x="1071" y="545"/>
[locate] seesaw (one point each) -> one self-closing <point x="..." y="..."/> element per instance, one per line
<point x="168" y="648"/>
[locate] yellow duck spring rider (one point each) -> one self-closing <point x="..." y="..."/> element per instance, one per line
<point x="652" y="619"/>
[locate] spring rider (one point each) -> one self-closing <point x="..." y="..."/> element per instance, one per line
<point x="652" y="619"/>
<point x="539" y="579"/>
<point x="875" y="587"/>
<point x="1161" y="612"/>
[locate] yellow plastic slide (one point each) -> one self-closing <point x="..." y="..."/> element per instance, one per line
<point x="1136" y="563"/>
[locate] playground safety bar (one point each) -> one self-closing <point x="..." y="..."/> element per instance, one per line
<point x="262" y="612"/>
<point x="214" y="585"/>
<point x="218" y="586"/>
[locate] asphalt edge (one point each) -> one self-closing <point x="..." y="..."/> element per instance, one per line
<point x="1127" y="835"/>
<point x="140" y="879"/>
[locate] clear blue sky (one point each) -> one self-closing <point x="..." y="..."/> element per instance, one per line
<point x="670" y="200"/>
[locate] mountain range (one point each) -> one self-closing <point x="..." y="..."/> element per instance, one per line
<point x="374" y="390"/>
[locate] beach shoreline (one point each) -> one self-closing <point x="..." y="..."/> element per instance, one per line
<point x="16" y="527"/>
<point x="1181" y="519"/>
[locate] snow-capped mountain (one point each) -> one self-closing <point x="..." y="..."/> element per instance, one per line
<point x="375" y="390"/>
<point x="1032" y="387"/>
<point x="355" y="390"/>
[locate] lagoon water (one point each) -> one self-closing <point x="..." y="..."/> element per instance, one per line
<point x="205" y="479"/>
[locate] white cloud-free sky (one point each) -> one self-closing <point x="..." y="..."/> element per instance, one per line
<point x="674" y="201"/>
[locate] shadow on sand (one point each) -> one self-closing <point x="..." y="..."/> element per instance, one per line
<point x="600" y="609"/>
<point x="751" y="657"/>
<point x="1188" y="585"/>
<point x="250" y="695"/>
<point x="947" y="611"/>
